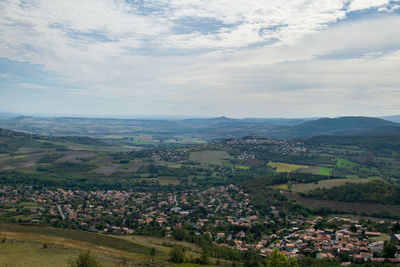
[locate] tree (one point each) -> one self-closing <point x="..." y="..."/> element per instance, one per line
<point x="204" y="258"/>
<point x="389" y="250"/>
<point x="153" y="253"/>
<point x="177" y="254"/>
<point x="86" y="259"/>
<point x="252" y="258"/>
<point x="179" y="234"/>
<point x="277" y="259"/>
<point x="353" y="228"/>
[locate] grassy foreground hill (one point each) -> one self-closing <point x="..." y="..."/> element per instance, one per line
<point x="32" y="245"/>
<point x="46" y="246"/>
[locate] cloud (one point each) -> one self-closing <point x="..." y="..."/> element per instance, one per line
<point x="357" y="5"/>
<point x="54" y="30"/>
<point x="222" y="57"/>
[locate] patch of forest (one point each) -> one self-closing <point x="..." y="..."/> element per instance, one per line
<point x="374" y="192"/>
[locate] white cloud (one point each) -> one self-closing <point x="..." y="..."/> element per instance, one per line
<point x="357" y="5"/>
<point x="74" y="37"/>
<point x="225" y="57"/>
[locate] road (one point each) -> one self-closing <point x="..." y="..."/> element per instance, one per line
<point x="61" y="212"/>
<point x="176" y="201"/>
<point x="218" y="207"/>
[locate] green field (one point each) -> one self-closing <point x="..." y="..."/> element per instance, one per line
<point x="173" y="165"/>
<point x="345" y="164"/>
<point x="227" y="163"/>
<point x="210" y="157"/>
<point x="286" y="167"/>
<point x="242" y="167"/>
<point x="325" y="171"/>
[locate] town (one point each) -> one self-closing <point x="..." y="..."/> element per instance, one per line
<point x="224" y="214"/>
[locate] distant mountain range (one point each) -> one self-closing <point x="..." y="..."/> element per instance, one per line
<point x="394" y="118"/>
<point x="204" y="129"/>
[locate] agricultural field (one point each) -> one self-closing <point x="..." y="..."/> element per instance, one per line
<point x="345" y="164"/>
<point x="286" y="167"/>
<point x="362" y="208"/>
<point x="280" y="186"/>
<point x="168" y="181"/>
<point x="301" y="188"/>
<point x="325" y="171"/>
<point x="107" y="169"/>
<point x="209" y="157"/>
<point x="241" y="167"/>
<point x="17" y="212"/>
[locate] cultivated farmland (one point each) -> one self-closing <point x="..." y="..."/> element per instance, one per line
<point x="209" y="157"/>
<point x="300" y="188"/>
<point x="344" y="206"/>
<point x="286" y="167"/>
<point x="345" y="164"/>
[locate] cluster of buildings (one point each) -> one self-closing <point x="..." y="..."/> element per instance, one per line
<point x="256" y="145"/>
<point x="224" y="213"/>
<point x="121" y="212"/>
<point x="349" y="241"/>
<point x="251" y="144"/>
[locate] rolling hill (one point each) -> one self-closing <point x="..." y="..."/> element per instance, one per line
<point x="11" y="141"/>
<point x="204" y="129"/>
<point x="346" y="126"/>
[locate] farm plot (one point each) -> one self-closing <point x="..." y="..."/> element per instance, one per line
<point x="345" y="164"/>
<point x="210" y="157"/>
<point x="286" y="167"/>
<point x="301" y="188"/>
<point x="20" y="161"/>
<point x="107" y="170"/>
<point x="317" y="170"/>
<point x="75" y="157"/>
<point x="325" y="171"/>
<point x="168" y="181"/>
<point x="366" y="208"/>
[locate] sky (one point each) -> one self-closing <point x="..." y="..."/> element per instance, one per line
<point x="200" y="58"/>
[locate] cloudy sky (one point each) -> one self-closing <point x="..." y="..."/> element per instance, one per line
<point x="238" y="58"/>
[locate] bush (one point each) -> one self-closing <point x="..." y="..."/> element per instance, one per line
<point x="86" y="259"/>
<point x="177" y="254"/>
